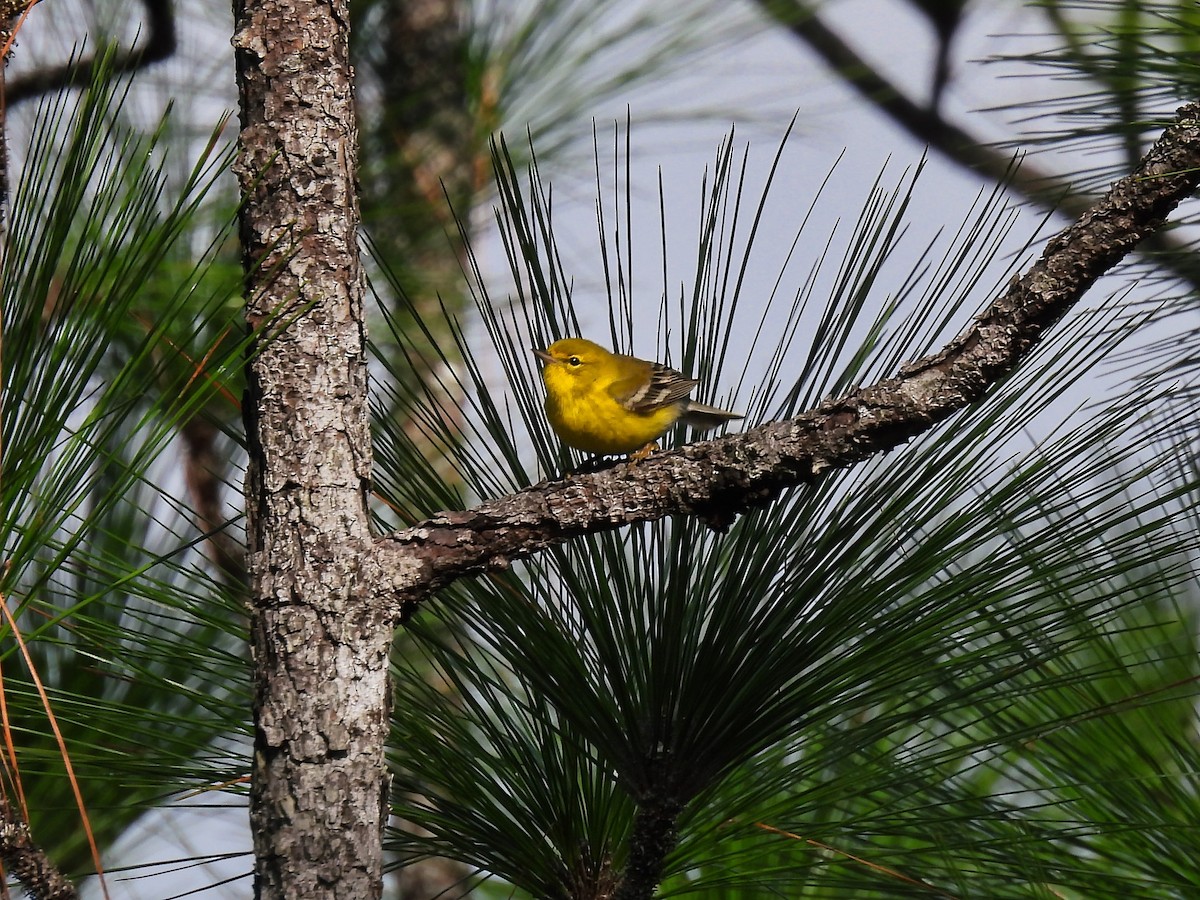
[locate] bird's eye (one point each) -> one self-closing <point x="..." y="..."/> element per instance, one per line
<point x="574" y="361"/>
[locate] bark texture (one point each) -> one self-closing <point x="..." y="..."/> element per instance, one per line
<point x="27" y="862"/>
<point x="318" y="797"/>
<point x="655" y="834"/>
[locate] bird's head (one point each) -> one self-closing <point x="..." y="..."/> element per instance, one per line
<point x="572" y="360"/>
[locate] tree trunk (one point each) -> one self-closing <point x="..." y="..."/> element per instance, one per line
<point x="319" y="795"/>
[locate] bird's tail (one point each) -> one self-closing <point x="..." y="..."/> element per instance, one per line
<point x="706" y="418"/>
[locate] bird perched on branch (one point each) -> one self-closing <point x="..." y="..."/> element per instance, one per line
<point x="609" y="403"/>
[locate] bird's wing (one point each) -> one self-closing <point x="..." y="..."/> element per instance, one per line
<point x="664" y="387"/>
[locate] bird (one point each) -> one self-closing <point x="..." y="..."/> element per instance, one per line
<point x="611" y="404"/>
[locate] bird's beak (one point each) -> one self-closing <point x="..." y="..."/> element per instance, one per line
<point x="543" y="355"/>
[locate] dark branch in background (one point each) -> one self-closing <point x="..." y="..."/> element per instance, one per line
<point x="204" y="472"/>
<point x="158" y="44"/>
<point x="945" y="16"/>
<point x="717" y="480"/>
<point x="1046" y="189"/>
<point x="28" y="862"/>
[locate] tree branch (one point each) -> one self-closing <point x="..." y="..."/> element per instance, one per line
<point x="28" y="862"/>
<point x="655" y="834"/>
<point x="318" y="791"/>
<point x="159" y="44"/>
<point x="1047" y="189"/>
<point x="717" y="480"/>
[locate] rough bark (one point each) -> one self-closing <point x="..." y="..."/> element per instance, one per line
<point x="27" y="862"/>
<point x="654" y="836"/>
<point x="318" y="796"/>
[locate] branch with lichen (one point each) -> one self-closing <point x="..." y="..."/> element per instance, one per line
<point x="720" y="479"/>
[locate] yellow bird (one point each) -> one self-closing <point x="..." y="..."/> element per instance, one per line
<point x="609" y="403"/>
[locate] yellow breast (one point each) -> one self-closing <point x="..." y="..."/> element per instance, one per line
<point x="587" y="417"/>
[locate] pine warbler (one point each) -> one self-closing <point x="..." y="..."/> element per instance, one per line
<point x="608" y="403"/>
